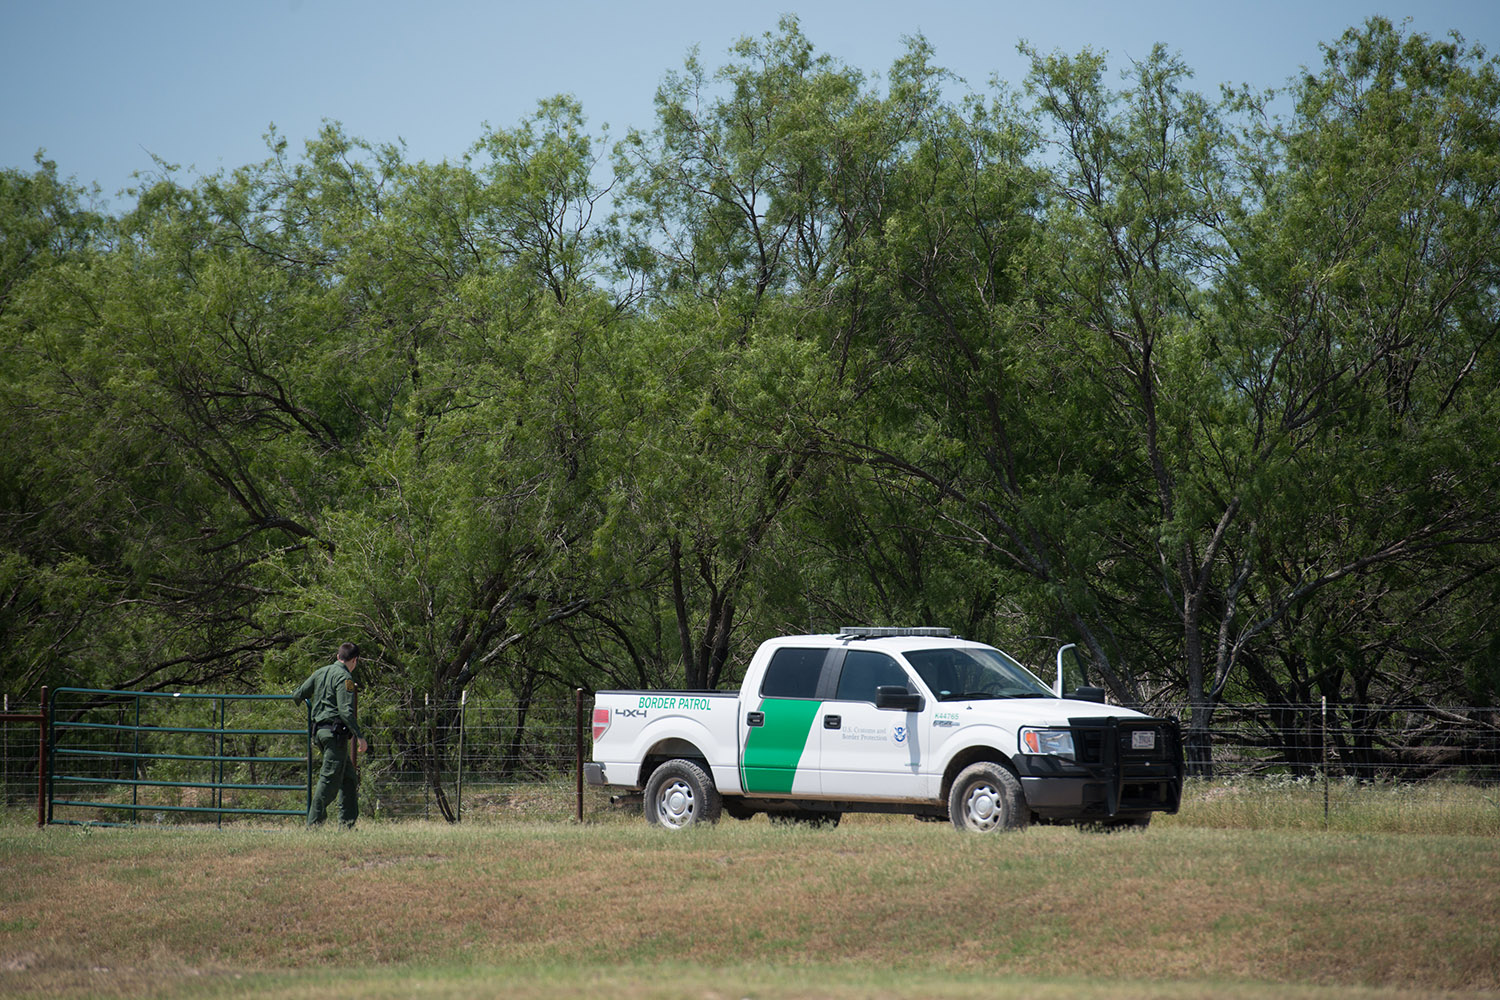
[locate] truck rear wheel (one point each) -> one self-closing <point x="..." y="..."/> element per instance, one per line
<point x="987" y="798"/>
<point x="680" y="794"/>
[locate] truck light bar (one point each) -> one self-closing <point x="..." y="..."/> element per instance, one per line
<point x="883" y="632"/>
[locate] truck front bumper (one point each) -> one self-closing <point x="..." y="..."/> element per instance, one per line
<point x="1111" y="777"/>
<point x="1087" y="798"/>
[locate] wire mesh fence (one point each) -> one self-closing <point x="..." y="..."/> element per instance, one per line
<point x="1398" y="743"/>
<point x="480" y="756"/>
<point x="21" y="764"/>
<point x="492" y="758"/>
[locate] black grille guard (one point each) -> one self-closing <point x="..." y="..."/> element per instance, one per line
<point x="1107" y="748"/>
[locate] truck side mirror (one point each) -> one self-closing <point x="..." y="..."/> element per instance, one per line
<point x="1089" y="694"/>
<point x="893" y="696"/>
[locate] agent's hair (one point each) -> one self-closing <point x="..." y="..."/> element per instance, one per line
<point x="348" y="651"/>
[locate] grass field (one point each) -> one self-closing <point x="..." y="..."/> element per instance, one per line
<point x="1244" y="894"/>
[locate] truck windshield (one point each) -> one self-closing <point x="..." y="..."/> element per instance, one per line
<point x="968" y="674"/>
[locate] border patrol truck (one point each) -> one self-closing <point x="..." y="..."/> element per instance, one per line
<point x="905" y="720"/>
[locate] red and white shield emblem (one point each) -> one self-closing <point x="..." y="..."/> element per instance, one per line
<point x="601" y="722"/>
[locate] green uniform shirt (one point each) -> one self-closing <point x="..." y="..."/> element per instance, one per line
<point x="331" y="691"/>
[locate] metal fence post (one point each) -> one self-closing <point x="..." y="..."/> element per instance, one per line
<point x="49" y="737"/>
<point x="578" y="745"/>
<point x="458" y="806"/>
<point x="1325" y="762"/>
<point x="42" y="763"/>
<point x="426" y="781"/>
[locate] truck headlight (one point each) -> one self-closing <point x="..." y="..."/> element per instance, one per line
<point x="1055" y="742"/>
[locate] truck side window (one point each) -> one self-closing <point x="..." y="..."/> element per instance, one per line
<point x="864" y="671"/>
<point x="793" y="673"/>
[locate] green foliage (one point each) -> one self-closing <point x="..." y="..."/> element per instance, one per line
<point x="1207" y="392"/>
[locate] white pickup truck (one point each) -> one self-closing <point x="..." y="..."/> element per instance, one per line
<point x="905" y="720"/>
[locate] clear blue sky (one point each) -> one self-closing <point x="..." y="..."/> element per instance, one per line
<point x="103" y="85"/>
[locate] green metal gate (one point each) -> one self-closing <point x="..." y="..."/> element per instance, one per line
<point x="117" y="756"/>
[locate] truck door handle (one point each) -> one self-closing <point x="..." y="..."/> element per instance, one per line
<point x="755" y="719"/>
<point x="832" y="721"/>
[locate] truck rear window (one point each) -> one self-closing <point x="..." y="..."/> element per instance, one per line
<point x="793" y="673"/>
<point x="865" y="671"/>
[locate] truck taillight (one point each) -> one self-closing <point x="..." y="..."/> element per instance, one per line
<point x="601" y="721"/>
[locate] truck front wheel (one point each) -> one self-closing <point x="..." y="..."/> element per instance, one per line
<point x="987" y="798"/>
<point x="680" y="794"/>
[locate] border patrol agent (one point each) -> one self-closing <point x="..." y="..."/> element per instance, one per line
<point x="331" y="690"/>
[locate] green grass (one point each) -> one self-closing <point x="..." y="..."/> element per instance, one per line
<point x="1234" y="897"/>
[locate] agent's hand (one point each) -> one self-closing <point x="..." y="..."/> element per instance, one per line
<point x="363" y="746"/>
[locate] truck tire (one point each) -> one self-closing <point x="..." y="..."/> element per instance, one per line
<point x="987" y="798"/>
<point x="680" y="794"/>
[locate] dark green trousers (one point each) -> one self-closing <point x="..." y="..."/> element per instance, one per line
<point x="337" y="777"/>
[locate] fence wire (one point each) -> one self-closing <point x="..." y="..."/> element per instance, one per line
<point x="490" y="758"/>
<point x="18" y="756"/>
<point x="1363" y="742"/>
<point x="480" y="756"/>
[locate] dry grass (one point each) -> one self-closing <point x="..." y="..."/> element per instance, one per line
<point x="1436" y="807"/>
<point x="876" y="907"/>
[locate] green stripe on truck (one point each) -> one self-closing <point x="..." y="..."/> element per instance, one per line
<point x="773" y="751"/>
